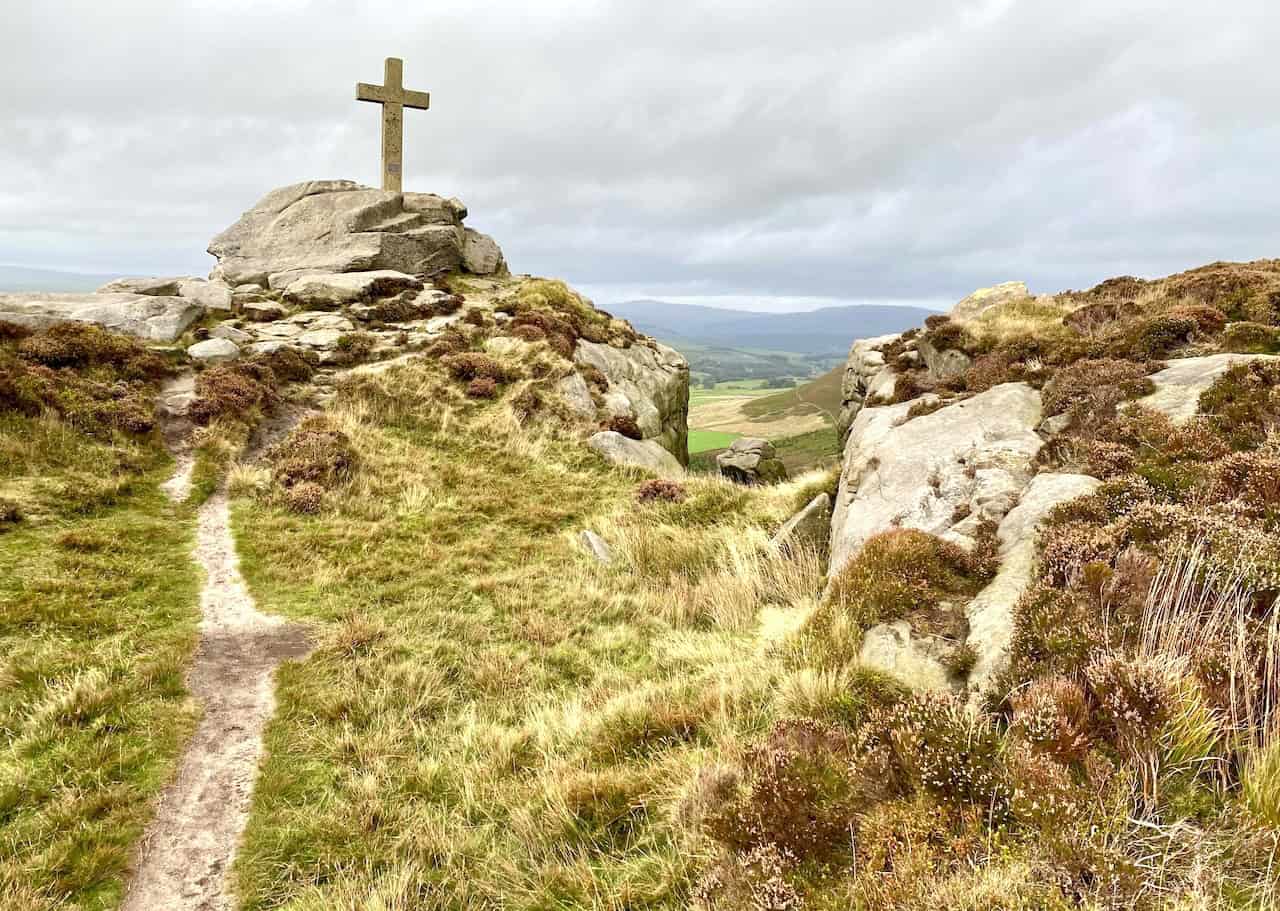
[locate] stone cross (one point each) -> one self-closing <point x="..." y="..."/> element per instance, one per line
<point x="394" y="98"/>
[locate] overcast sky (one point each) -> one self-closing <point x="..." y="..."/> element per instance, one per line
<point x="785" y="154"/>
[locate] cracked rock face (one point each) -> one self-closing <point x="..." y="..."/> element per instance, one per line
<point x="145" y="316"/>
<point x="342" y="226"/>
<point x="865" y="378"/>
<point x="943" y="473"/>
<point x="648" y="382"/>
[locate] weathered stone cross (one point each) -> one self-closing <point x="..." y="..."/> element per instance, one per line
<point x="394" y="98"/>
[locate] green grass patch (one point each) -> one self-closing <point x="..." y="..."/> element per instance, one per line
<point x="703" y="440"/>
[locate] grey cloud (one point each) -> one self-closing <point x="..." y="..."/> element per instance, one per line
<point x="856" y="150"/>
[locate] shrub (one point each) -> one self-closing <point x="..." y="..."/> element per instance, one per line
<point x="1052" y="716"/>
<point x="595" y="377"/>
<point x="10" y="514"/>
<point x="660" y="489"/>
<point x="1244" y="403"/>
<point x="960" y="660"/>
<point x="1251" y="478"/>
<point x="13" y="332"/>
<point x="289" y="364"/>
<point x="1068" y="547"/>
<point x="925" y="406"/>
<point x="233" y="390"/>
<point x="482" y="387"/>
<point x="354" y="346"/>
<point x="1053" y="632"/>
<point x="1208" y="320"/>
<point x="932" y="743"/>
<point x="529" y="333"/>
<point x="306" y="498"/>
<point x="1132" y="696"/>
<point x="1251" y="338"/>
<point x="469" y="365"/>
<point x="898" y="572"/>
<point x="1155" y="336"/>
<point x="81" y="345"/>
<point x="1105" y="459"/>
<point x="799" y="793"/>
<point x="624" y="424"/>
<point x="1094" y="386"/>
<point x="315" y="452"/>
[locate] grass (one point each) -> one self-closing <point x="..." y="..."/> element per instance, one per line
<point x="704" y="440"/>
<point x="492" y="717"/>
<point x="97" y="624"/>
<point x="822" y="394"/>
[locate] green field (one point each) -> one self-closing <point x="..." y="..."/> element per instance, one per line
<point x="703" y="440"/>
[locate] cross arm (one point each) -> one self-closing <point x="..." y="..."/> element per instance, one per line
<point x="378" y="93"/>
<point x="419" y="100"/>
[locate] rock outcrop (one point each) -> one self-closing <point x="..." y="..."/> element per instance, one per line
<point x="944" y="473"/>
<point x="648" y="383"/>
<point x="990" y="614"/>
<point x="984" y="299"/>
<point x="342" y="226"/>
<point x="1178" y="386"/>
<point x="646" y="455"/>
<point x="866" y="378"/>
<point x="751" y="460"/>
<point x="916" y="660"/>
<point x="144" y="316"/>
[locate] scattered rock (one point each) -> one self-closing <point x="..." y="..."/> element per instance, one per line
<point x="990" y="614"/>
<point x="807" y="528"/>
<point x="339" y="226"/>
<point x="214" y="351"/>
<point x="262" y="311"/>
<point x="596" y="546"/>
<point x="481" y="254"/>
<point x="231" y="334"/>
<point x="648" y="455"/>
<point x="917" y="661"/>
<point x="957" y="466"/>
<point x="750" y="460"/>
<point x="649" y="382"/>
<point x="156" y="319"/>
<point x="1179" y="385"/>
<point x="334" y="289"/>
<point x="210" y="295"/>
<point x="984" y="299"/>
<point x="154" y="287"/>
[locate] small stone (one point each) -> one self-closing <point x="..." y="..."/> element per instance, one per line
<point x="262" y="311"/>
<point x="596" y="546"/>
<point x="231" y="334"/>
<point x="214" y="351"/>
<point x="155" y="287"/>
<point x="647" y="455"/>
<point x="751" y="461"/>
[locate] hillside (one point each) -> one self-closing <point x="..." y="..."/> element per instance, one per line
<point x="420" y="561"/>
<point x="825" y="331"/>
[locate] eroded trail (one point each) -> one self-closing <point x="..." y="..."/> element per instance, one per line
<point x="187" y="851"/>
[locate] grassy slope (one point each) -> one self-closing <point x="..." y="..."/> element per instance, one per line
<point x="492" y="714"/>
<point x="822" y="393"/>
<point x="97" y="623"/>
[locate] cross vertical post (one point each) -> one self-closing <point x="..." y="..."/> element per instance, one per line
<point x="394" y="99"/>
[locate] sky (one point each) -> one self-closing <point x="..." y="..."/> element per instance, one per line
<point x="769" y="155"/>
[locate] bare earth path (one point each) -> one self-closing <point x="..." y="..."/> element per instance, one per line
<point x="185" y="855"/>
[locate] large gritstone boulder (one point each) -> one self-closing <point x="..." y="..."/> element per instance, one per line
<point x="342" y="226"/>
<point x="144" y="316"/>
<point x="751" y="461"/>
<point x="647" y="382"/>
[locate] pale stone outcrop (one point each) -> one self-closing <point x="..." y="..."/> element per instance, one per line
<point x="984" y="299"/>
<point x="210" y="295"/>
<point x="340" y="226"/>
<point x="577" y="395"/>
<point x="807" y="528"/>
<point x="155" y="287"/>
<point x="214" y="351"/>
<point x="648" y="382"/>
<point x="750" y="460"/>
<point x="481" y="254"/>
<point x="647" y="455"/>
<point x="866" y="378"/>
<point x="893" y="649"/>
<point x="941" y="472"/>
<point x="943" y="364"/>
<point x="334" y="289"/>
<point x="990" y="614"/>
<point x="144" y="316"/>
<point x="231" y="334"/>
<point x="1178" y="386"/>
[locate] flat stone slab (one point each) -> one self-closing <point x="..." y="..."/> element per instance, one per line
<point x="338" y="288"/>
<point x="149" y="317"/>
<point x="1178" y="386"/>
<point x="647" y="455"/>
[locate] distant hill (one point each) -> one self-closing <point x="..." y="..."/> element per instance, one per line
<point x="829" y="330"/>
<point x="21" y="278"/>
<point x="821" y="394"/>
